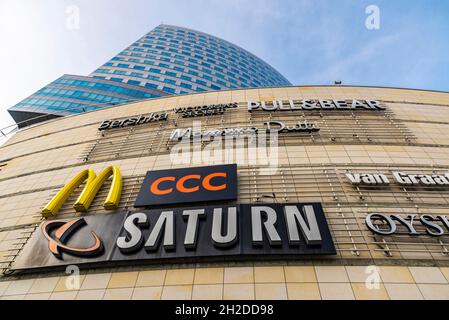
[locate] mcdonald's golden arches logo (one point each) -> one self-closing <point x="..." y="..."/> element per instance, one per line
<point x="93" y="185"/>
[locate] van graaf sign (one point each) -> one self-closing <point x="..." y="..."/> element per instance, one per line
<point x="181" y="234"/>
<point x="411" y="224"/>
<point x="401" y="178"/>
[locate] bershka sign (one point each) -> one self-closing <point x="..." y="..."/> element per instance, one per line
<point x="270" y="127"/>
<point x="181" y="234"/>
<point x="401" y="178"/>
<point x="187" y="185"/>
<point x="133" y="121"/>
<point x="291" y="105"/>
<point x="206" y="110"/>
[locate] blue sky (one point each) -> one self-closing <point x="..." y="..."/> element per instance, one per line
<point x="309" y="41"/>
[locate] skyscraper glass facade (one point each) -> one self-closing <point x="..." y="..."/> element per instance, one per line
<point x="71" y="94"/>
<point x="178" y="60"/>
<point x="168" y="60"/>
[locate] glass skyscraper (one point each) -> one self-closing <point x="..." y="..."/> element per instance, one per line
<point x="71" y="94"/>
<point x="168" y="60"/>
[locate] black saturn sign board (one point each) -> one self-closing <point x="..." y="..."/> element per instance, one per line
<point x="185" y="234"/>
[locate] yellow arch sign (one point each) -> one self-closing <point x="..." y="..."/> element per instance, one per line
<point x="93" y="185"/>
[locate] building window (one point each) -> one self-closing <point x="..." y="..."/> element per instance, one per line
<point x="134" y="82"/>
<point x="151" y="85"/>
<point x="170" y="81"/>
<point x="186" y="85"/>
<point x="170" y="74"/>
<point x="169" y="90"/>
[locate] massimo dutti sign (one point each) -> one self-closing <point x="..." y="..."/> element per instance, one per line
<point x="270" y="127"/>
<point x="181" y="234"/>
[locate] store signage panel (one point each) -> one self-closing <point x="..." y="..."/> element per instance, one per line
<point x="187" y="185"/>
<point x="210" y="232"/>
<point x="306" y="104"/>
<point x="411" y="224"/>
<point x="270" y="127"/>
<point x="133" y="121"/>
<point x="400" y="178"/>
<point x="39" y="252"/>
<point x="205" y="110"/>
<point x="218" y="109"/>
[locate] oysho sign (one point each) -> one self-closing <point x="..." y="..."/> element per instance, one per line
<point x="184" y="234"/>
<point x="383" y="224"/>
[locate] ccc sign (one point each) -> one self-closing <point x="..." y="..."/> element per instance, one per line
<point x="180" y="184"/>
<point x="188" y="185"/>
<point x="91" y="188"/>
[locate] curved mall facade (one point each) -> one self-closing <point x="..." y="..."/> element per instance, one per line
<point x="374" y="158"/>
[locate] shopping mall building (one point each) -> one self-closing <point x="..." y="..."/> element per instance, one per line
<point x="317" y="192"/>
